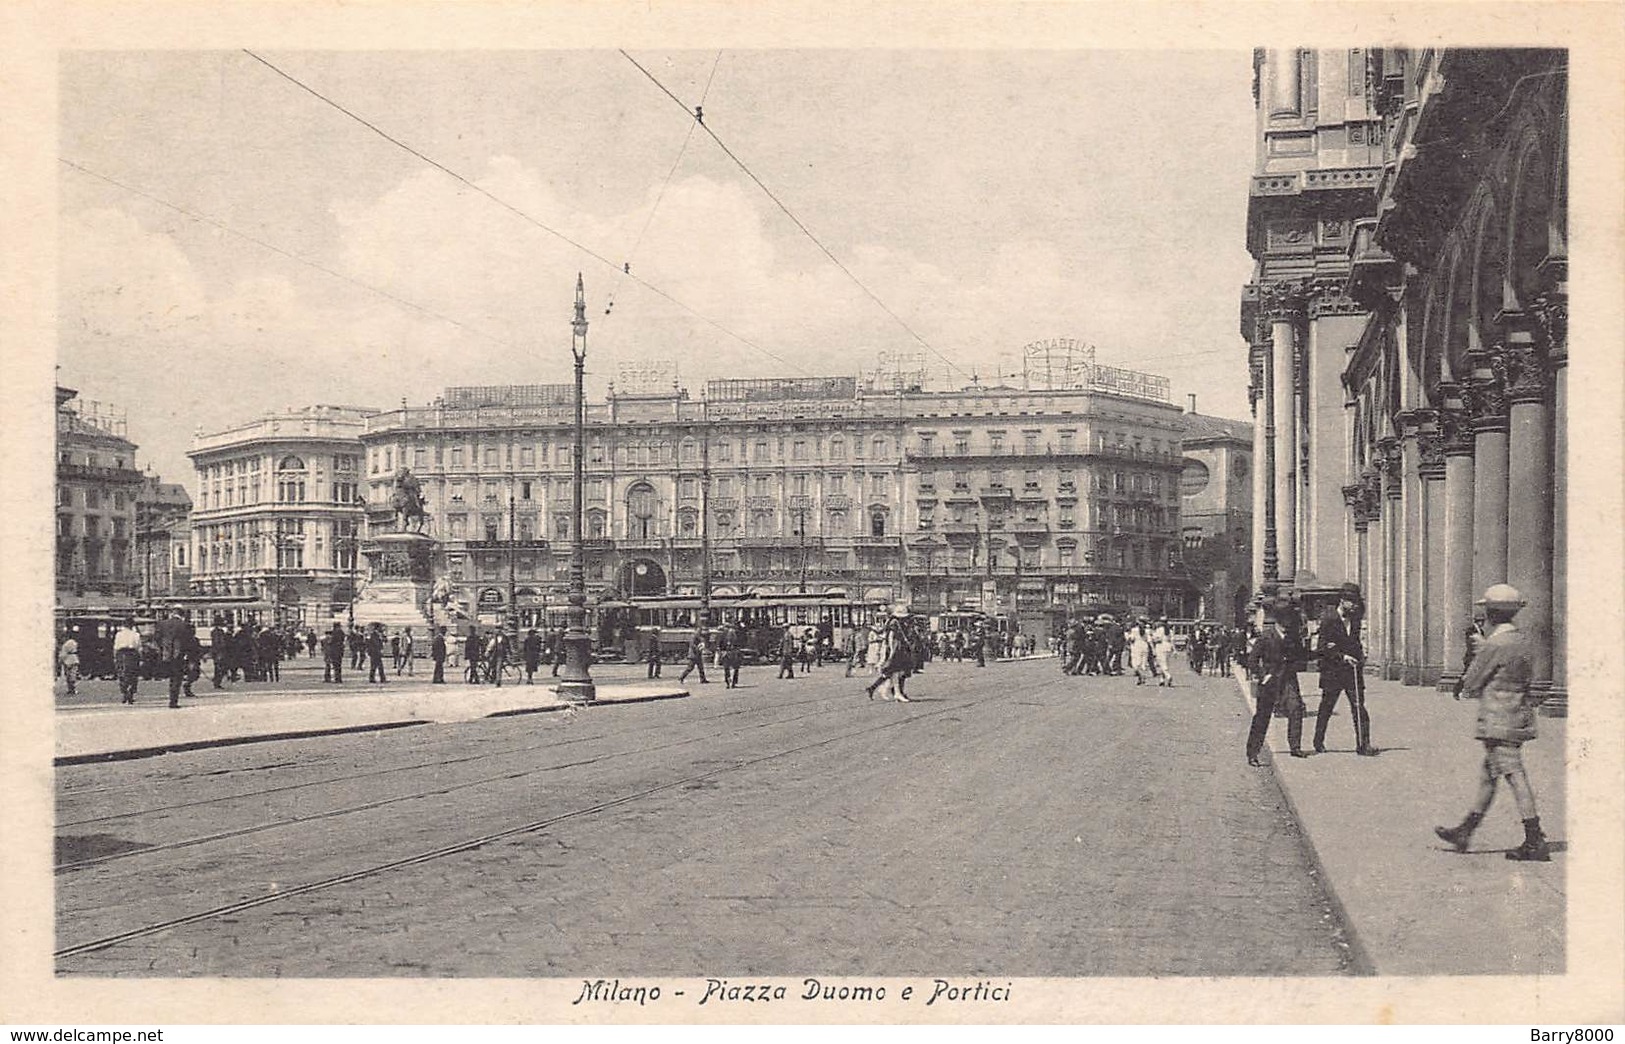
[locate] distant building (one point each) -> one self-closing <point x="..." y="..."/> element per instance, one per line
<point x="279" y="510"/>
<point x="163" y="552"/>
<point x="1017" y="502"/>
<point x="97" y="485"/>
<point x="1216" y="514"/>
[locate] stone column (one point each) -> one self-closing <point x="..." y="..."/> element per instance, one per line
<point x="1458" y="594"/>
<point x="1357" y="558"/>
<point x="1374" y="579"/>
<point x="1282" y="304"/>
<point x="1389" y="461"/>
<point x="1431" y="468"/>
<point x="1529" y="473"/>
<point x="1487" y="401"/>
<point x="1413" y="528"/>
<point x="1551" y="312"/>
<point x="1258" y="394"/>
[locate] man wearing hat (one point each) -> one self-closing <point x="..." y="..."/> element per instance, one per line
<point x="1342" y="662"/>
<point x="1499" y="679"/>
<point x="1275" y="665"/>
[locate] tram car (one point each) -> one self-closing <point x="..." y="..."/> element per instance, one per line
<point x="761" y="618"/>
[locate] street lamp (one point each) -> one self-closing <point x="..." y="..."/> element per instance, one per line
<point x="350" y="545"/>
<point x="575" y="679"/>
<point x="513" y="603"/>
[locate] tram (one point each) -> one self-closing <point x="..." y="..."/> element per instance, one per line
<point x="762" y="619"/>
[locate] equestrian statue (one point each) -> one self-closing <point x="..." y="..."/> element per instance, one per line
<point x="407" y="501"/>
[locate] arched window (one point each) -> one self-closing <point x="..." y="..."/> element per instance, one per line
<point x="290" y="480"/>
<point x="877" y="523"/>
<point x="595" y="525"/>
<point x="640" y="510"/>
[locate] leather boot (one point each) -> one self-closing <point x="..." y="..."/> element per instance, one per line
<point x="1458" y="836"/>
<point x="1534" y="848"/>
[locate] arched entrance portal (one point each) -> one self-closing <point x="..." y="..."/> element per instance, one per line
<point x="643" y="576"/>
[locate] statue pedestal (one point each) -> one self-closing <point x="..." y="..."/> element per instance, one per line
<point x="397" y="594"/>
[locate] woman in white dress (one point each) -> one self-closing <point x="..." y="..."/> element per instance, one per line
<point x="1162" y="645"/>
<point x="1139" y="652"/>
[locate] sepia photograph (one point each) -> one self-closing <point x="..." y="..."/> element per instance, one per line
<point x="781" y="532"/>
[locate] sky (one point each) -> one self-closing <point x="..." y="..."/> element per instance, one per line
<point x="230" y="243"/>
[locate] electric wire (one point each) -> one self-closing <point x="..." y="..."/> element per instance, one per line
<point x="222" y="226"/>
<point x="664" y="185"/>
<point x="695" y="116"/>
<point x="583" y="248"/>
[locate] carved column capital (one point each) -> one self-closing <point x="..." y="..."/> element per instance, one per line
<point x="1371" y="494"/>
<point x="1455" y="424"/>
<point x="1327" y="298"/>
<point x="1390" y="463"/>
<point x="1283" y="301"/>
<point x="1527" y="378"/>
<point x="1551" y="312"/>
<point x="1354" y="498"/>
<point x="1485" y="390"/>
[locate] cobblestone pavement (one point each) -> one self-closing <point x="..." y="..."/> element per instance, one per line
<point x="1011" y="822"/>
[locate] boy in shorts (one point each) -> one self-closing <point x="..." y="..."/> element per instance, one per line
<point x="1499" y="678"/>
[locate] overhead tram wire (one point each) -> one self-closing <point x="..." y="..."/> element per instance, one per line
<point x="695" y="115"/>
<point x="626" y="268"/>
<point x="205" y="219"/>
<point x="595" y="255"/>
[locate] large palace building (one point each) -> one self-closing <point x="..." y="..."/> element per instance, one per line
<point x="1000" y="499"/>
<point x="279" y="510"/>
<point x="97" y="487"/>
<point x="1408" y="329"/>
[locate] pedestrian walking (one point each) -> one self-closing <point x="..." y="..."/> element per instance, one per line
<point x="473" y="653"/>
<point x="172" y="632"/>
<point x="787" y="654"/>
<point x="1139" y="651"/>
<point x="1499" y="679"/>
<point x="895" y="660"/>
<point x="1162" y="650"/>
<point x="375" y="655"/>
<point x="333" y="654"/>
<point x="1275" y="669"/>
<point x="696" y="657"/>
<point x="651" y="655"/>
<point x="532" y="650"/>
<point x="1342" y="670"/>
<point x="127" y="659"/>
<point x="729" y="655"/>
<point x="408" y="655"/>
<point x="437" y="653"/>
<point x="395" y="651"/>
<point x="496" y="658"/>
<point x="558" y="650"/>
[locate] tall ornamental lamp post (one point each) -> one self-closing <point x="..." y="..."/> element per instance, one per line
<point x="512" y="621"/>
<point x="350" y="546"/>
<point x="575" y="678"/>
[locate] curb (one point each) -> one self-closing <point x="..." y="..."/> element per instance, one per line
<point x="228" y="741"/>
<point x="1360" y="960"/>
<point x="134" y="753"/>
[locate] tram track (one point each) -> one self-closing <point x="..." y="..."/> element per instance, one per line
<point x="432" y="792"/>
<point x="920" y="715"/>
<point x="372" y="774"/>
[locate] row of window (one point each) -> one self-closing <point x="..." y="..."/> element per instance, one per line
<point x="92" y="528"/>
<point x="94" y="460"/>
<point x="1139" y="557"/>
<point x="248" y="545"/>
<point x="92" y="499"/>
<point x="1067" y="481"/>
<point x="763" y="449"/>
<point x="1100" y="515"/>
<point x="1034" y="441"/>
<point x="762" y="522"/>
<point x="597" y="490"/>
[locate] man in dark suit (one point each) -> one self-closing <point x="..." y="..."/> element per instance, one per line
<point x="173" y="634"/>
<point x="375" y="654"/>
<point x="437" y="652"/>
<point x="333" y="654"/>
<point x="1342" y="661"/>
<point x="1275" y="667"/>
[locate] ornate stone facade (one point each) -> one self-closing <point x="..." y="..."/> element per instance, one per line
<point x="1453" y="276"/>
